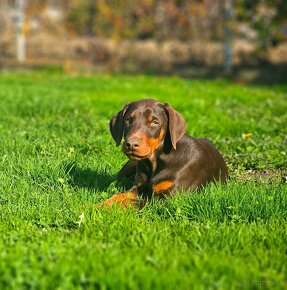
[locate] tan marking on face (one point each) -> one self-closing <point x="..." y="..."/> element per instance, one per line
<point x="149" y="118"/>
<point x="154" y="143"/>
<point x="148" y="145"/>
<point x="162" y="186"/>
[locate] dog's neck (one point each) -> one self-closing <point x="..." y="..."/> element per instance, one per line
<point x="152" y="162"/>
<point x="154" y="158"/>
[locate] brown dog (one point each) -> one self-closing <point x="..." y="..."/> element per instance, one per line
<point x="163" y="158"/>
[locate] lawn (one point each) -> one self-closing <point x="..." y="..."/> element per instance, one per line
<point x="57" y="156"/>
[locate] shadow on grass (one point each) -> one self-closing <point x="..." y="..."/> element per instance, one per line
<point x="88" y="178"/>
<point x="94" y="180"/>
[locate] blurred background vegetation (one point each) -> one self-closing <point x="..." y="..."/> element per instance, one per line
<point x="243" y="38"/>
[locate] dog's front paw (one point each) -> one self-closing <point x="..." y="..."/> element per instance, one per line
<point x="125" y="199"/>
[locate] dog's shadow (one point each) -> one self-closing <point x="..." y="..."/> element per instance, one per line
<point x="95" y="180"/>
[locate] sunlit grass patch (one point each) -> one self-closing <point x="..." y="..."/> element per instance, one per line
<point x="57" y="158"/>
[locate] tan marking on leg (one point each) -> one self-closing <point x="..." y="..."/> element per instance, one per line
<point x="162" y="186"/>
<point x="124" y="199"/>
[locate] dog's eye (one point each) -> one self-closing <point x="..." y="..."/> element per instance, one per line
<point x="154" y="123"/>
<point x="128" y="121"/>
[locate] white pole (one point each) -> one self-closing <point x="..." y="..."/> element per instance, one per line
<point x="19" y="23"/>
<point x="228" y="34"/>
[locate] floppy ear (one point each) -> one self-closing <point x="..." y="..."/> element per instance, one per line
<point x="117" y="125"/>
<point x="176" y="124"/>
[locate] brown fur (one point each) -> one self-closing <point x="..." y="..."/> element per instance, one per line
<point x="163" y="158"/>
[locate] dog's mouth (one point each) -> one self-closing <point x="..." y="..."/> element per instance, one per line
<point x="134" y="156"/>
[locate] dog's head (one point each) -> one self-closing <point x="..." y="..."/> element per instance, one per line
<point x="146" y="126"/>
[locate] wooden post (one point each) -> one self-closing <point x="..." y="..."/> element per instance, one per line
<point x="20" y="33"/>
<point x="228" y="35"/>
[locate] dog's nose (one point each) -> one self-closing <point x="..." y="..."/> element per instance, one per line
<point x="133" y="144"/>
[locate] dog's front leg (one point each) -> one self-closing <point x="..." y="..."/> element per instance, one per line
<point x="125" y="199"/>
<point x="132" y="197"/>
<point x="163" y="188"/>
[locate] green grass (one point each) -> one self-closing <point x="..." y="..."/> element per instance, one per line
<point x="56" y="156"/>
